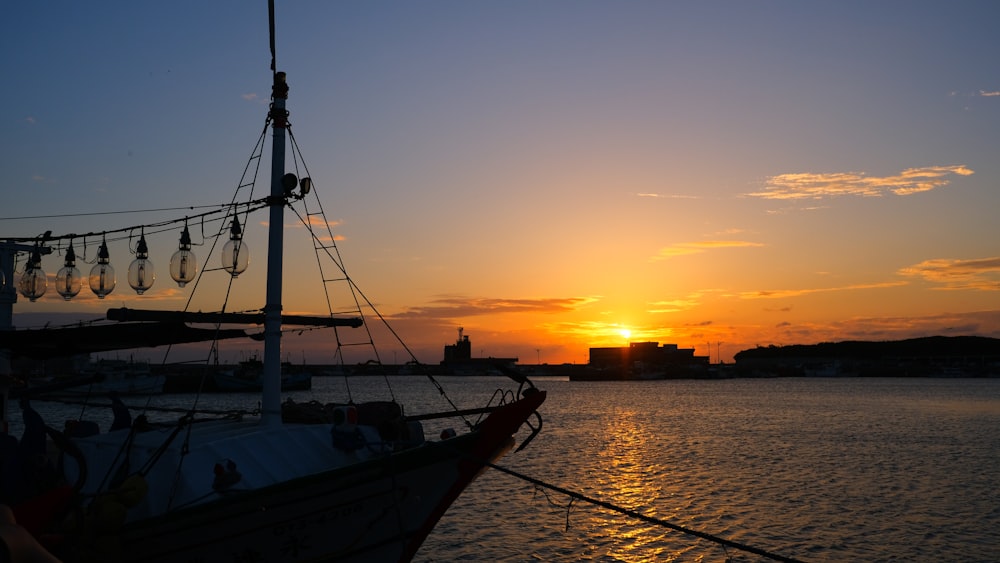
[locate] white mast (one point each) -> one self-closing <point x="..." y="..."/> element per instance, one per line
<point x="271" y="407"/>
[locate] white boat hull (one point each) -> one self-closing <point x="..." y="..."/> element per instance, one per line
<point x="370" y="507"/>
<point x="369" y="512"/>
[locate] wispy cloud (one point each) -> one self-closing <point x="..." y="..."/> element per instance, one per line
<point x="991" y="94"/>
<point x="781" y="293"/>
<point x="672" y="306"/>
<point x="666" y="196"/>
<point x="457" y="306"/>
<point x="686" y="248"/>
<point x="323" y="229"/>
<point x="986" y="323"/>
<point x="316" y="220"/>
<point x="683" y="303"/>
<point x="795" y="209"/>
<point x="980" y="274"/>
<point x="249" y="97"/>
<point x="30" y="120"/>
<point x="807" y="185"/>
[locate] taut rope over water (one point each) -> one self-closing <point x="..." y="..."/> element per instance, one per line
<point x="573" y="495"/>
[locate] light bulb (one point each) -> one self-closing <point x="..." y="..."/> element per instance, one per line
<point x="33" y="282"/>
<point x="141" y="274"/>
<point x="68" y="279"/>
<point x="183" y="264"/>
<point x="102" y="275"/>
<point x="236" y="253"/>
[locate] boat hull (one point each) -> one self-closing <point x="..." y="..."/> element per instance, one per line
<point x="376" y="510"/>
<point x="369" y="512"/>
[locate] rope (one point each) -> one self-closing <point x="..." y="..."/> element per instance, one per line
<point x="122" y="212"/>
<point x="148" y="466"/>
<point x="633" y="514"/>
<point x="153" y="227"/>
<point x="337" y="260"/>
<point x="356" y="291"/>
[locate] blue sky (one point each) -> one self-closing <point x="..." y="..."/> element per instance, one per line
<point x="550" y="174"/>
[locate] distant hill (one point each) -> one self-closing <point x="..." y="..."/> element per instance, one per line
<point x="931" y="346"/>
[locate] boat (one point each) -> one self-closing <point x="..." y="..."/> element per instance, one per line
<point x="123" y="377"/>
<point x="289" y="482"/>
<point x="248" y="376"/>
<point x="97" y="378"/>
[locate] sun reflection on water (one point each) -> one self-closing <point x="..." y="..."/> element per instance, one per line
<point x="626" y="474"/>
<point x="827" y="471"/>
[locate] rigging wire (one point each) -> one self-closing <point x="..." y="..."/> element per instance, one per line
<point x="120" y="212"/>
<point x="356" y="291"/>
<point x="234" y="209"/>
<point x="154" y="227"/>
<point x="250" y="170"/>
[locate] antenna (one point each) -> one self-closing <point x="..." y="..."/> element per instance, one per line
<point x="270" y="14"/>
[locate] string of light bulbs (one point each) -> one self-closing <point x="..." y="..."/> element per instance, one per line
<point x="141" y="275"/>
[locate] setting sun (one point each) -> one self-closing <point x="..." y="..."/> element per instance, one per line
<point x="613" y="206"/>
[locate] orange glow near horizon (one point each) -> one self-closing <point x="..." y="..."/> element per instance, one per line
<point x="505" y="176"/>
<point x="558" y="331"/>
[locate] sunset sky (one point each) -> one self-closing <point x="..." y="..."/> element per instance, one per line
<point x="549" y="175"/>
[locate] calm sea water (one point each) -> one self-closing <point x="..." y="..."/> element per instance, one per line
<point x="815" y="469"/>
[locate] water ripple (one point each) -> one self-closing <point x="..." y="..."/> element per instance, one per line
<point x="822" y="470"/>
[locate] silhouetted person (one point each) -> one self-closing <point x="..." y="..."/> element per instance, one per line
<point x="123" y="418"/>
<point x="33" y="440"/>
<point x="32" y="455"/>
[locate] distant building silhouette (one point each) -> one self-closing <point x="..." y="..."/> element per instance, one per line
<point x="934" y="356"/>
<point x="647" y="360"/>
<point x="458" y="359"/>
